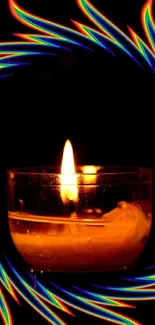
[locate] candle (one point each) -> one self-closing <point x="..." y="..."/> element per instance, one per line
<point x="79" y="220"/>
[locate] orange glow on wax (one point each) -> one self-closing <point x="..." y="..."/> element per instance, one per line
<point x="69" y="188"/>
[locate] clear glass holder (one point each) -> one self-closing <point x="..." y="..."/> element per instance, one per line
<point x="105" y="229"/>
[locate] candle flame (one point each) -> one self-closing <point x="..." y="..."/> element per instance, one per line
<point x="69" y="189"/>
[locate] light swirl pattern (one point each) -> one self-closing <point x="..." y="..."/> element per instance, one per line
<point x="92" y="303"/>
<point x="54" y="37"/>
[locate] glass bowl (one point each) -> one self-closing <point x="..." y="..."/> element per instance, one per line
<point x="104" y="229"/>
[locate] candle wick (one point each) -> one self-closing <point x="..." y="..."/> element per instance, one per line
<point x="73" y="215"/>
<point x="71" y="206"/>
<point x="21" y="202"/>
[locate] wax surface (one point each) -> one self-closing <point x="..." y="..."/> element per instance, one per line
<point x="110" y="242"/>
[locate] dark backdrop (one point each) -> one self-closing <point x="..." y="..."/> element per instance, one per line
<point x="103" y="104"/>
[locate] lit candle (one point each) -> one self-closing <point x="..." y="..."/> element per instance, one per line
<point x="69" y="183"/>
<point x="71" y="231"/>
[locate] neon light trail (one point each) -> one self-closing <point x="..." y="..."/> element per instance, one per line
<point x="99" y="305"/>
<point x="5" y="311"/>
<point x="105" y="34"/>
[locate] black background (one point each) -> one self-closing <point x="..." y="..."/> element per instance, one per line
<point x="105" y="105"/>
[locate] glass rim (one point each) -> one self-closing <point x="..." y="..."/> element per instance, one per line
<point x="100" y="170"/>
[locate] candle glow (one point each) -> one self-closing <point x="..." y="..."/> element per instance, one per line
<point x="68" y="178"/>
<point x="102" y="223"/>
<point x="90" y="174"/>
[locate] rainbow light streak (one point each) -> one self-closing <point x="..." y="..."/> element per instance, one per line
<point x="94" y="307"/>
<point x="56" y="36"/>
<point x="151" y="267"/>
<point x="119" y="38"/>
<point x="7" y="284"/>
<point x="30" y="296"/>
<point x="94" y="304"/>
<point x="5" y="311"/>
<point x="9" y="52"/>
<point x="145" y="291"/>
